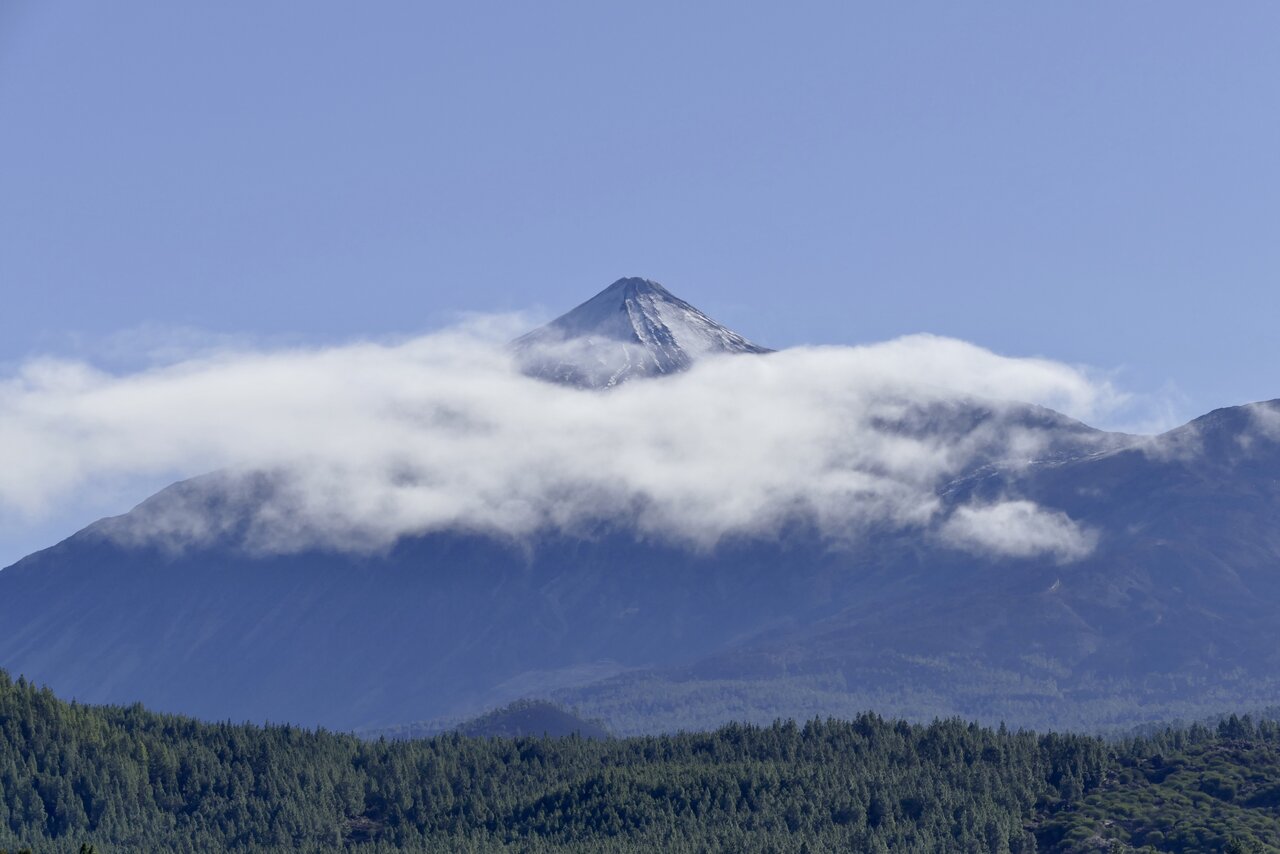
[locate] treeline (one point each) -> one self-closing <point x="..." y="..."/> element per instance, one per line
<point x="942" y="687"/>
<point x="125" y="779"/>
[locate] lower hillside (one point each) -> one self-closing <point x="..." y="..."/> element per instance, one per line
<point x="125" y="779"/>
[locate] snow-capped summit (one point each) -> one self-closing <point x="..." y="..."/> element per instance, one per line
<point x="633" y="328"/>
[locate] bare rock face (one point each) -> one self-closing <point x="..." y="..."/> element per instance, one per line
<point x="633" y="328"/>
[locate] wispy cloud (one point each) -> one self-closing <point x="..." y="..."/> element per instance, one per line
<point x="1018" y="529"/>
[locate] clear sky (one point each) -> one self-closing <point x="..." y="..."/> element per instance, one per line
<point x="1095" y="182"/>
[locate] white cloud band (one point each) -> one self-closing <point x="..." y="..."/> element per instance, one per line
<point x="382" y="440"/>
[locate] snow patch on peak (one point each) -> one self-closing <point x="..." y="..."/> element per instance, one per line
<point x="635" y="327"/>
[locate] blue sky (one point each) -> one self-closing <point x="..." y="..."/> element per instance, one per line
<point x="1093" y="182"/>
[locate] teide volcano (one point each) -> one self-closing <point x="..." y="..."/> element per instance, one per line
<point x="1173" y="613"/>
<point x="633" y="328"/>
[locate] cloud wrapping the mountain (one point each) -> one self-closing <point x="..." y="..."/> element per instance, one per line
<point x="371" y="441"/>
<point x="1266" y="420"/>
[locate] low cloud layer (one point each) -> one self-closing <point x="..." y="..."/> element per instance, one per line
<point x="367" y="442"/>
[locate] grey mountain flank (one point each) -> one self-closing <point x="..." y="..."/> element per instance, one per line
<point x="1172" y="613"/>
<point x="633" y="328"/>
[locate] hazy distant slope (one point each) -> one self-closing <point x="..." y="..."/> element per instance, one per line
<point x="535" y="718"/>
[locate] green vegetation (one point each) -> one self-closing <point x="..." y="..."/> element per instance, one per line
<point x="1188" y="790"/>
<point x="125" y="779"/>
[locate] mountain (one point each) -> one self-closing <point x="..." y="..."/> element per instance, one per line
<point x="445" y="624"/>
<point x="1172" y="613"/>
<point x="633" y="328"/>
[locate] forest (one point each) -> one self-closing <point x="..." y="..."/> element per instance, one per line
<point x="111" y="779"/>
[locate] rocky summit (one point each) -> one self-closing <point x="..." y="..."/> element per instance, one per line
<point x="633" y="328"/>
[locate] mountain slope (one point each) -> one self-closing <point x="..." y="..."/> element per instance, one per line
<point x="1174" y="613"/>
<point x="443" y="624"/>
<point x="633" y="328"/>
<point x="1176" y="607"/>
